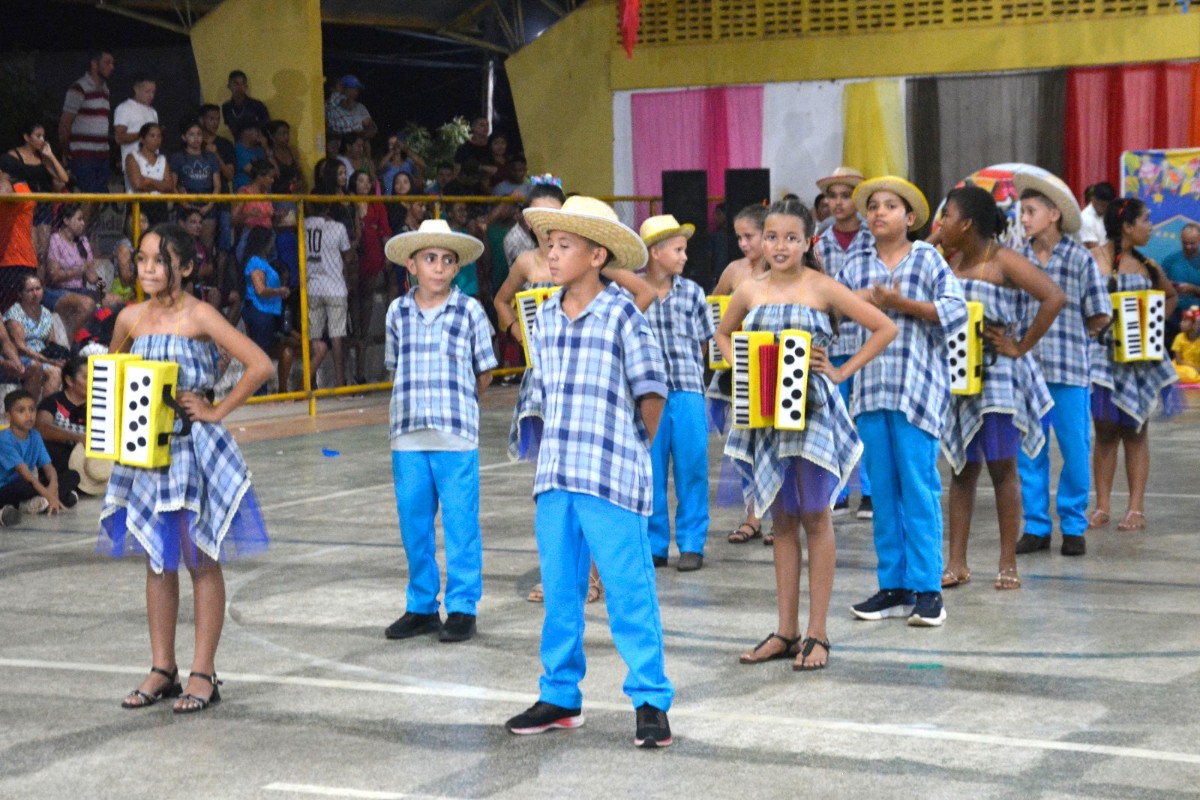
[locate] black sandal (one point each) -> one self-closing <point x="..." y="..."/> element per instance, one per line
<point x="806" y="651"/>
<point x="788" y="651"/>
<point x="200" y="703"/>
<point x="741" y="536"/>
<point x="172" y="689"/>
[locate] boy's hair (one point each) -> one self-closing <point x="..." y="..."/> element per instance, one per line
<point x="755" y="213"/>
<point x="609" y="255"/>
<point x="237" y="73"/>
<point x="143" y="77"/>
<point x="1104" y="192"/>
<point x="12" y="398"/>
<point x="794" y="208"/>
<point x="73" y="365"/>
<point x="1034" y="194"/>
<point x="207" y="108"/>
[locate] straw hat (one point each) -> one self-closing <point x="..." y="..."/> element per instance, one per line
<point x="1057" y="192"/>
<point x="898" y="186"/>
<point x="433" y="233"/>
<point x="592" y="219"/>
<point x="93" y="472"/>
<point x="663" y="227"/>
<point x="846" y="176"/>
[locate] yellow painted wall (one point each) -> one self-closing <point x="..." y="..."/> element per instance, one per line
<point x="564" y="100"/>
<point x="277" y="43"/>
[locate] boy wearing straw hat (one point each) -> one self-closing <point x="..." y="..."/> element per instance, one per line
<point x="901" y="398"/>
<point x="844" y="236"/>
<point x="681" y="324"/>
<point x="1048" y="211"/>
<point x="439" y="344"/>
<point x="599" y="375"/>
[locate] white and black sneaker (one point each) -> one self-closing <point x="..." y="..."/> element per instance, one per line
<point x="653" y="730"/>
<point x="884" y="604"/>
<point x="35" y="505"/>
<point x="929" y="610"/>
<point x="542" y="717"/>
<point x="865" y="509"/>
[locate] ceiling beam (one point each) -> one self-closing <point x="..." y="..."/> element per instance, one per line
<point x="148" y="19"/>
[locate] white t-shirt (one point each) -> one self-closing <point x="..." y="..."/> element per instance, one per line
<point x="1092" y="229"/>
<point x="325" y="240"/>
<point x="133" y="115"/>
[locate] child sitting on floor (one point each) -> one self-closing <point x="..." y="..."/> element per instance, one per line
<point x="1186" y="347"/>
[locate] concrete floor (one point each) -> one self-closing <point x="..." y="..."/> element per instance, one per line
<point x="1082" y="684"/>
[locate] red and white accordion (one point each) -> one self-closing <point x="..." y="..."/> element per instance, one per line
<point x="770" y="379"/>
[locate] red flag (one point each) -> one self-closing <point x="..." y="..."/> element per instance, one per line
<point x="630" y="18"/>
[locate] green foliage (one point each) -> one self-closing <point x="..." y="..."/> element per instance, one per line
<point x="439" y="145"/>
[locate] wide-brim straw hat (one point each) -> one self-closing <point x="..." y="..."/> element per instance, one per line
<point x="1055" y="190"/>
<point x="433" y="233"/>
<point x="93" y="472"/>
<point x="592" y="219"/>
<point x="846" y="176"/>
<point x="898" y="186"/>
<point x="663" y="227"/>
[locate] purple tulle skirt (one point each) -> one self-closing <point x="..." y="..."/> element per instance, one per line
<point x="1105" y="410"/>
<point x="998" y="439"/>
<point x="529" y="438"/>
<point x="807" y="488"/>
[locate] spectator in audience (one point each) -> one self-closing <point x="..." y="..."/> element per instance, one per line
<point x="356" y="156"/>
<point x="222" y="148"/>
<point x="401" y="186"/>
<point x="31" y="327"/>
<point x="242" y="109"/>
<point x="344" y="114"/>
<point x="498" y="144"/>
<point x="328" y="247"/>
<point x="1096" y="199"/>
<point x="72" y="283"/>
<point x="133" y="115"/>
<point x="254" y="214"/>
<point x="335" y="148"/>
<point x="476" y="148"/>
<point x="374" y="232"/>
<point x="516" y="181"/>
<point x="248" y="149"/>
<point x="83" y="129"/>
<point x="202" y="281"/>
<point x="399" y="158"/>
<point x="18" y="259"/>
<point x="124" y="277"/>
<point x="398" y="278"/>
<point x="147" y="171"/>
<point x="12" y="370"/>
<point x="288" y="178"/>
<point x="1183" y="268"/>
<point x="467" y="277"/>
<point x="27" y="478"/>
<point x="43" y="173"/>
<point x="198" y="171"/>
<point x="469" y="182"/>
<point x="62" y="416"/>
<point x="443" y="177"/>
<point x="263" y="309"/>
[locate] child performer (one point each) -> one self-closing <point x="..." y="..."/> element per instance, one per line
<point x="201" y="508"/>
<point x="439" y="345"/>
<point x="847" y="233"/>
<point x="900" y="399"/>
<point x="1048" y="211"/>
<point x="1186" y="347"/>
<point x="681" y="324"/>
<point x="1124" y="395"/>
<point x="1006" y="416"/>
<point x="798" y="474"/>
<point x="599" y="375"/>
<point x="23" y="456"/>
<point x="748" y="225"/>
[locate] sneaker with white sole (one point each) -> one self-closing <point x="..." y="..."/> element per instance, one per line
<point x="842" y="507"/>
<point x="652" y="730"/>
<point x="9" y="516"/>
<point x="929" y="610"/>
<point x="865" y="509"/>
<point x="35" y="505"/>
<point x="542" y="717"/>
<point x="884" y="604"/>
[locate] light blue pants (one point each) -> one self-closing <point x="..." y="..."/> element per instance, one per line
<point x="574" y="529"/>
<point x="864" y="480"/>
<point x="681" y="445"/>
<point x="907" y="493"/>
<point x="1072" y="423"/>
<point x="422" y="479"/>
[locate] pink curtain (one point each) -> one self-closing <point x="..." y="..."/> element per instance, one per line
<point x="712" y="129"/>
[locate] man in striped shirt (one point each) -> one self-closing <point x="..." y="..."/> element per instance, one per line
<point x="84" y="129"/>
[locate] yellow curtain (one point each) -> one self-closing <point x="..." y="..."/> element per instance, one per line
<point x="876" y="137"/>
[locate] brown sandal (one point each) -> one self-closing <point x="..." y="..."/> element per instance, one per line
<point x="951" y="578"/>
<point x="1099" y="519"/>
<point x="788" y="651"/>
<point x="745" y="533"/>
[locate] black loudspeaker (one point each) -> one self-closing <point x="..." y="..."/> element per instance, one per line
<point x="685" y="195"/>
<point x="743" y="187"/>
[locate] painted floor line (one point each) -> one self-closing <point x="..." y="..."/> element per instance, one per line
<point x="337" y="791"/>
<point x="481" y="693"/>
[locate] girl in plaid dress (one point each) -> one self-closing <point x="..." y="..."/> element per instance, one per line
<point x="798" y="474"/>
<point x="201" y="509"/>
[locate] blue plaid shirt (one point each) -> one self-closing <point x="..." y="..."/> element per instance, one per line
<point x="589" y="373"/>
<point x="436" y="365"/>
<point x="1063" y="352"/>
<point x="912" y="375"/>
<point x="682" y="327"/>
<point x="850" y="334"/>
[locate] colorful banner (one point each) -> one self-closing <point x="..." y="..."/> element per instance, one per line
<point x="1169" y="182"/>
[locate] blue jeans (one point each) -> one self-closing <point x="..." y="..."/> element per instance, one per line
<point x="681" y="442"/>
<point x="864" y="480"/>
<point x="91" y="174"/>
<point x="1072" y="423"/>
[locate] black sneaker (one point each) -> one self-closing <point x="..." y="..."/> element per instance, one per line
<point x="929" y="610"/>
<point x="885" y="603"/>
<point x="71" y="499"/>
<point x="689" y="562"/>
<point x="1028" y="543"/>
<point x="413" y="625"/>
<point x="458" y="627"/>
<point x="659" y="561"/>
<point x="653" y="730"/>
<point x="9" y="515"/>
<point x="865" y="509"/>
<point x="842" y="507"/>
<point x="541" y="717"/>
<point x="1071" y="545"/>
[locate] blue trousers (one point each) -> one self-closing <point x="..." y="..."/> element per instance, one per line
<point x="864" y="480"/>
<point x="423" y="478"/>
<point x="1072" y="423"/>
<point x="681" y="445"/>
<point x="574" y="529"/>
<point x="907" y="493"/>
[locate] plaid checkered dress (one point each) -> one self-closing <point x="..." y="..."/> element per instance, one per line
<point x="850" y="335"/>
<point x="829" y="440"/>
<point x="1010" y="386"/>
<point x="527" y="415"/>
<point x="207" y="479"/>
<point x="1136" y="387"/>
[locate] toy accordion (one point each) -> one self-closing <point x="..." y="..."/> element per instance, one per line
<point x="965" y="347"/>
<point x="1139" y="326"/>
<point x="770" y="379"/>
<point x="717" y="305"/>
<point x="131" y="410"/>
<point x="527" y="303"/>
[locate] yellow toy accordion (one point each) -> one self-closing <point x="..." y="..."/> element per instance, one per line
<point x="718" y="304"/>
<point x="131" y="410"/>
<point x="1139" y="326"/>
<point x="770" y="379"/>
<point x="527" y="303"/>
<point x="965" y="348"/>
